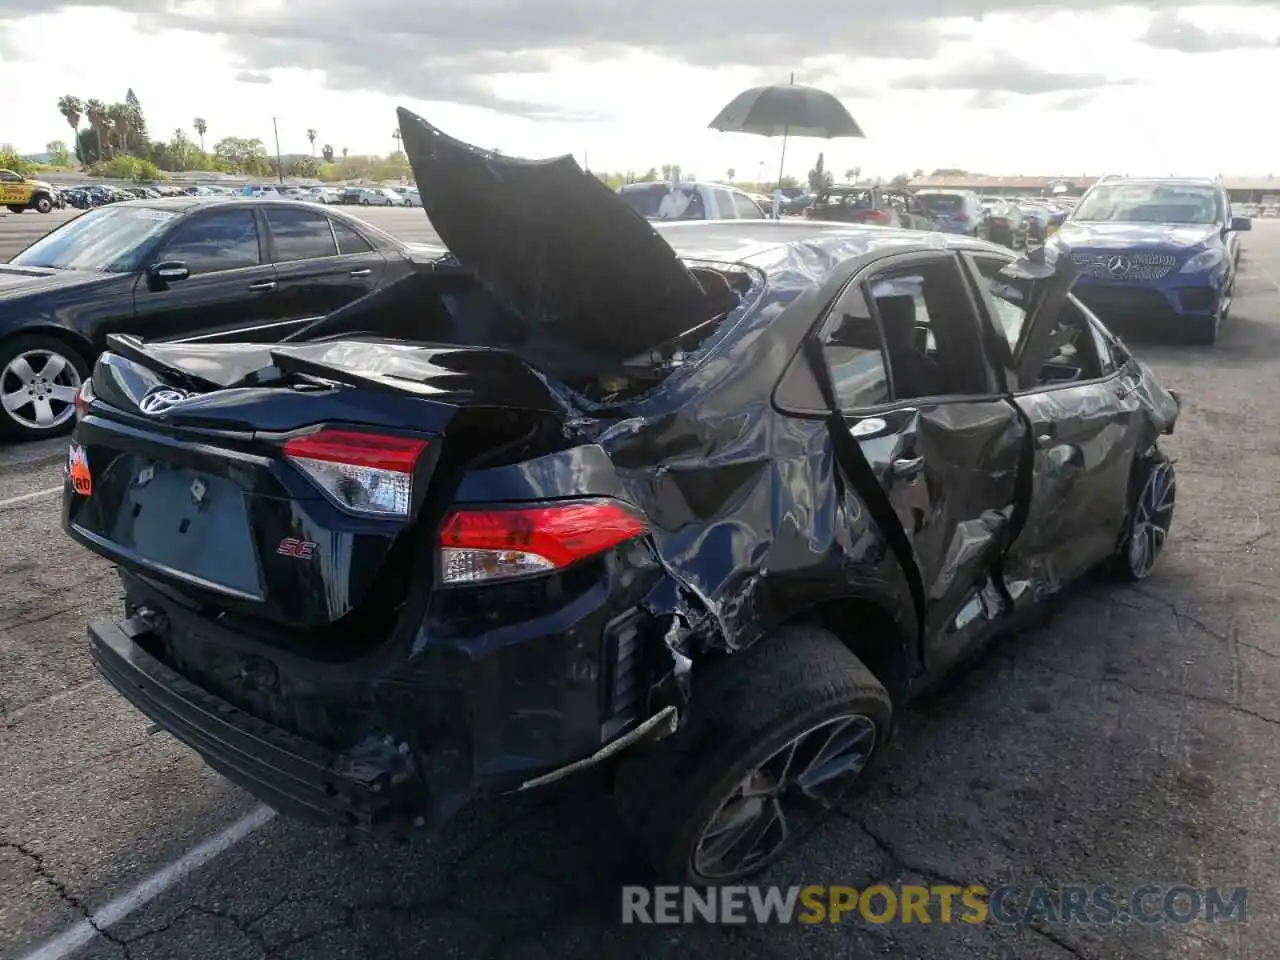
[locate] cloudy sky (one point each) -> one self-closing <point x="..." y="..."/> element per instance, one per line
<point x="1002" y="86"/>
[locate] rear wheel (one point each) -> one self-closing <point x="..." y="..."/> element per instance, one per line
<point x="39" y="379"/>
<point x="15" y="208"/>
<point x="777" y="736"/>
<point x="1155" y="487"/>
<point x="1204" y="330"/>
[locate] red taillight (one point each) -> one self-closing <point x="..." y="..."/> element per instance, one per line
<point x="962" y="217"/>
<point x="367" y="473"/>
<point x="496" y="544"/>
<point x="877" y="216"/>
<point x="999" y="222"/>
<point x="84" y="397"/>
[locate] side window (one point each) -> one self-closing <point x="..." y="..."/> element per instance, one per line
<point x="300" y="234"/>
<point x="747" y="209"/>
<point x="348" y="240"/>
<point x="8" y="177"/>
<point x="213" y="242"/>
<point x="724" y="204"/>
<point x="855" y="354"/>
<point x="1006" y="301"/>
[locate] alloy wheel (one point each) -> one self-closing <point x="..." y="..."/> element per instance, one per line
<point x="783" y="796"/>
<point x="38" y="389"/>
<point x="1152" y="517"/>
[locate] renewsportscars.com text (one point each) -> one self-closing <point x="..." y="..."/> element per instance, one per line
<point x="882" y="904"/>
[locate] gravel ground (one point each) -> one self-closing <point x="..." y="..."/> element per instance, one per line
<point x="1129" y="741"/>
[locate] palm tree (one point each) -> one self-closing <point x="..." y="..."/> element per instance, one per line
<point x="71" y="109"/>
<point x="201" y="127"/>
<point x="121" y="119"/>
<point x="311" y="135"/>
<point x="730" y="173"/>
<point x="396" y="136"/>
<point x="95" y="111"/>
<point x="327" y="152"/>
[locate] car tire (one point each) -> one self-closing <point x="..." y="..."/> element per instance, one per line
<point x="24" y="423"/>
<point x="748" y="712"/>
<point x="42" y="204"/>
<point x="1203" y="331"/>
<point x="1153" y="489"/>
<point x="16" y="208"/>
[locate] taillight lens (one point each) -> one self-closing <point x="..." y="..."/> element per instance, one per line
<point x="84" y="397"/>
<point x="365" y="473"/>
<point x="477" y="546"/>
<point x="877" y="216"/>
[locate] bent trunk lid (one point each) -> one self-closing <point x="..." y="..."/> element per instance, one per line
<point x="554" y="245"/>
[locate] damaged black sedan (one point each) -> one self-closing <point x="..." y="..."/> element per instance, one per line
<point x="703" y="505"/>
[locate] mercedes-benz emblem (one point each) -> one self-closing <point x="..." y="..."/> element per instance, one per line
<point x="1119" y="266"/>
<point x="161" y="399"/>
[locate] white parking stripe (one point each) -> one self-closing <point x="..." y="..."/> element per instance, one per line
<point x="71" y="940"/>
<point x="26" y="497"/>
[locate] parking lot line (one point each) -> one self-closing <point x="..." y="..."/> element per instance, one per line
<point x="75" y="937"/>
<point x="27" y="497"/>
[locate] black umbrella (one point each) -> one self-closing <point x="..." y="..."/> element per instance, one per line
<point x="787" y="110"/>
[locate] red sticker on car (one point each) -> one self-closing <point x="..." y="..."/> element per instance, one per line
<point x="78" y="470"/>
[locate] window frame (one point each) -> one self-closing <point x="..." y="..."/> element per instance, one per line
<point x="267" y="211"/>
<point x="335" y="223"/>
<point x="795" y="392"/>
<point x="997" y="340"/>
<point x="259" y="225"/>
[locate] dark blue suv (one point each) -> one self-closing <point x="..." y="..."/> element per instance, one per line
<point x="1161" y="250"/>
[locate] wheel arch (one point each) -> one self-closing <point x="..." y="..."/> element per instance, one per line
<point x="69" y="338"/>
<point x="871" y="633"/>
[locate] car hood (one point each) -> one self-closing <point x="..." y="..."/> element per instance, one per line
<point x="17" y="282"/>
<point x="1125" y="236"/>
<point x="555" y="245"/>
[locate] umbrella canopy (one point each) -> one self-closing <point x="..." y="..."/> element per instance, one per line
<point x="787" y="109"/>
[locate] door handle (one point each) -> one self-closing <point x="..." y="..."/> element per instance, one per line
<point x="262" y="285"/>
<point x="361" y="273"/>
<point x="908" y="467"/>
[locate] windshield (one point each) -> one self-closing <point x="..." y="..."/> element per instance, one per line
<point x="106" y="240"/>
<point x="941" y="202"/>
<point x="661" y="202"/>
<point x="1150" y="203"/>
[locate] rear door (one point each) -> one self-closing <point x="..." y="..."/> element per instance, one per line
<point x="321" y="263"/>
<point x="231" y="287"/>
<point x="947" y="462"/>
<point x="1083" y="414"/>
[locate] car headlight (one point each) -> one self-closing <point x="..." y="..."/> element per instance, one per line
<point x="1204" y="260"/>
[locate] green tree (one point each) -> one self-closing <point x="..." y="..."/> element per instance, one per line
<point x="59" y="155"/>
<point x="11" y="160"/>
<point x="95" y="112"/>
<point x="201" y="127"/>
<point x="819" y="176"/>
<point x="327" y="152"/>
<point x="126" y="167"/>
<point x="137" y="128"/>
<point x="302" y="167"/>
<point x="650" y="176"/>
<point x="243" y="155"/>
<point x="311" y="136"/>
<point x="72" y="110"/>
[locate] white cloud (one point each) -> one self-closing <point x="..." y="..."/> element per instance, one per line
<point x="999" y="96"/>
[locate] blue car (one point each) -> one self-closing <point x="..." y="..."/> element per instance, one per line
<point x="1156" y="250"/>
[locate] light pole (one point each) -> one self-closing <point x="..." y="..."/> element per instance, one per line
<point x="279" y="162"/>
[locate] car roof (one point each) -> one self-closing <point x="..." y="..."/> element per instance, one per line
<point x="757" y="241"/>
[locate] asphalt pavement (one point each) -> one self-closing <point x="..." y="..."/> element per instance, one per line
<point x="1131" y="740"/>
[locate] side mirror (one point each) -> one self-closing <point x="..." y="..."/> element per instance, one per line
<point x="1241" y="224"/>
<point x="166" y="272"/>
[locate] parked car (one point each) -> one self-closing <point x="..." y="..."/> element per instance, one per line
<point x="954" y="211"/>
<point x="260" y="190"/>
<point x="190" y="269"/>
<point x="1036" y="215"/>
<point x="412" y="198"/>
<point x="683" y="501"/>
<point x="380" y="197"/>
<point x="19" y="193"/>
<point x="1005" y="224"/>
<point x="1156" y="250"/>
<point x="324" y="195"/>
<point x="882" y="206"/>
<point x="690" y="201"/>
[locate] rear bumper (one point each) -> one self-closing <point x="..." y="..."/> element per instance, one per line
<point x="287" y="772"/>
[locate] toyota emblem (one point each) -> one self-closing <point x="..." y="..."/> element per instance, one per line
<point x="1119" y="266"/>
<point x="161" y="399"/>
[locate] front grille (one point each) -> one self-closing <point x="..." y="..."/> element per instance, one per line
<point x="1125" y="266"/>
